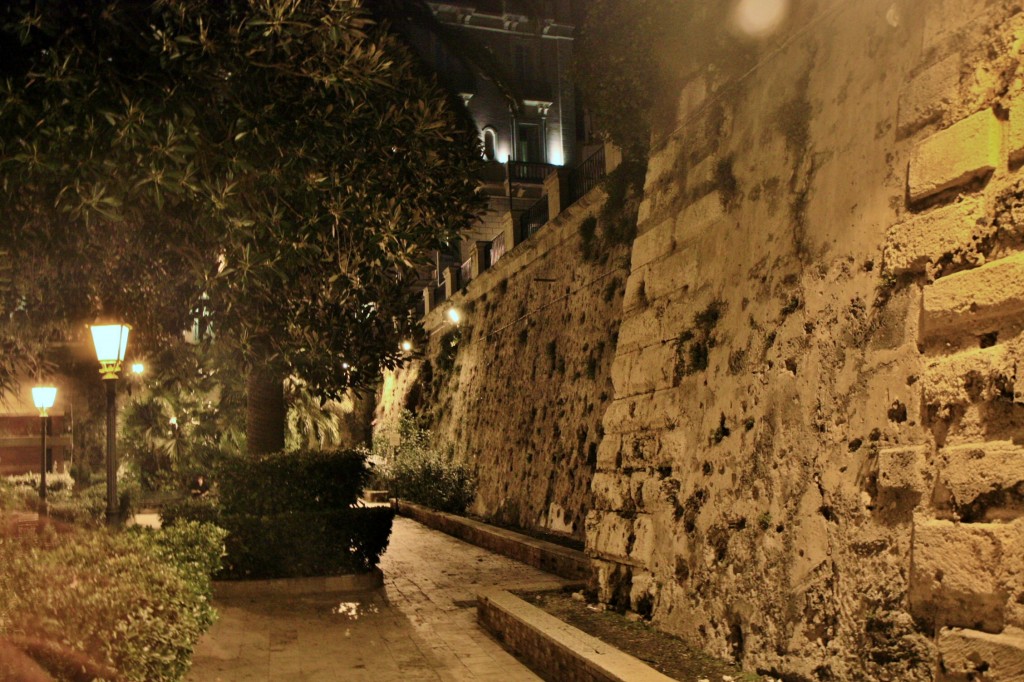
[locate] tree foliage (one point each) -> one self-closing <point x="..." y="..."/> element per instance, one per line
<point x="278" y="165"/>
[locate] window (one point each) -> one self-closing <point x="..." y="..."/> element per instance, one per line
<point x="490" y="142"/>
<point x="529" y="144"/>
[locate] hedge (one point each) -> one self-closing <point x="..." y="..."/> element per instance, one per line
<point x="291" y="482"/>
<point x="301" y="544"/>
<point x="86" y="602"/>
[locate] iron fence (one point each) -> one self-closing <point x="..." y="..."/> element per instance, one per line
<point x="586" y="176"/>
<point x="533" y="219"/>
<point x="528" y="173"/>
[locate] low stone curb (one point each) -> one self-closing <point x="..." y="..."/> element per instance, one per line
<point x="553" y="649"/>
<point x="335" y="583"/>
<point x="547" y="556"/>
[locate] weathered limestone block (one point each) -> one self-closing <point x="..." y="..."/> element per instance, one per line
<point x="1015" y="137"/>
<point x="980" y="374"/>
<point x="974" y="299"/>
<point x="640" y="328"/>
<point x="702" y="175"/>
<point x="609" y="453"/>
<point x="651" y="370"/>
<point x="662" y="161"/>
<point x="646" y="412"/>
<point x="611" y="491"/>
<point x="641" y="450"/>
<point x="953" y="157"/>
<point x="698" y="216"/>
<point x="645" y="539"/>
<point x="957" y="573"/>
<point x="902" y="469"/>
<point x="670" y="274"/>
<point x="609" y="535"/>
<point x="652" y="243"/>
<point x="972" y="655"/>
<point x="980" y="469"/>
<point x="926" y="238"/>
<point x="694" y="94"/>
<point x="929" y="94"/>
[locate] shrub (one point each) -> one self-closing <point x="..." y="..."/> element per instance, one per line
<point x="89" y="507"/>
<point x="291" y="515"/>
<point x="126" y="601"/>
<point x="434" y="479"/>
<point x="203" y="509"/>
<point x="290" y="482"/>
<point x="298" y="544"/>
<point x="408" y="464"/>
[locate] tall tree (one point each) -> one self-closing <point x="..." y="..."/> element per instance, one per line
<point x="278" y="165"/>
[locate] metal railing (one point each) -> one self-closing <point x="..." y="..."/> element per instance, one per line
<point x="586" y="176"/>
<point x="533" y="219"/>
<point x="528" y="173"/>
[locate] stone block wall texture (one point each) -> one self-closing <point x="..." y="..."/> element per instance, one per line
<point x="519" y="388"/>
<point x="812" y="461"/>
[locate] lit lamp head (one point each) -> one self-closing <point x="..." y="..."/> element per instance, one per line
<point x="454" y="316"/>
<point x="44" y="397"/>
<point x="406" y="346"/>
<point x="111" y="341"/>
<point x="138" y="368"/>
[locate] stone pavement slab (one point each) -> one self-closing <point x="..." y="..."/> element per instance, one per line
<point x="420" y="626"/>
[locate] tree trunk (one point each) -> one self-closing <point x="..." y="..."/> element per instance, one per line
<point x="265" y="411"/>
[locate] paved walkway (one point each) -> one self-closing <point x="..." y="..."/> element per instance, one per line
<point x="420" y="626"/>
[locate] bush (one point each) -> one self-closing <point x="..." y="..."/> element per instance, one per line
<point x="203" y="509"/>
<point x="291" y="515"/>
<point x="408" y="464"/>
<point x="131" y="601"/>
<point x="89" y="507"/>
<point x="298" y="544"/>
<point x="296" y="481"/>
<point x="434" y="479"/>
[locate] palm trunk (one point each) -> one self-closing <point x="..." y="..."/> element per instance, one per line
<point x="265" y="411"/>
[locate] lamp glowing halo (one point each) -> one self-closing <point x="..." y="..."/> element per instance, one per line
<point x="44" y="397"/>
<point x="111" y="341"/>
<point x="454" y="315"/>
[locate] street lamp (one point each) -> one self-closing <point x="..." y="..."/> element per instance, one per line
<point x="111" y="341"/>
<point x="43" y="397"/>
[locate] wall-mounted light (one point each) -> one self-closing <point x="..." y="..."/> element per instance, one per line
<point x="406" y="346"/>
<point x="454" y="316"/>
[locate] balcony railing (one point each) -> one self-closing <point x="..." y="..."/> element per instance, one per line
<point x="586" y="176"/>
<point x="533" y="219"/>
<point x="528" y="173"/>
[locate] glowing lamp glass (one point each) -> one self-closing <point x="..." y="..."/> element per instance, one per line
<point x="406" y="346"/>
<point x="111" y="342"/>
<point x="454" y="315"/>
<point x="44" y="397"/>
<point x="138" y="368"/>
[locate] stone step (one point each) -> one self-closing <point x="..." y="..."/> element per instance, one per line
<point x="974" y="301"/>
<point x="964" y="575"/>
<point x="973" y="655"/>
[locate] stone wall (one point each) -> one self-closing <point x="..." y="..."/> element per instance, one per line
<point x="519" y="388"/>
<point x="811" y="462"/>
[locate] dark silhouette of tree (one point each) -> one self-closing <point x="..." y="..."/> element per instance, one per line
<point x="275" y="168"/>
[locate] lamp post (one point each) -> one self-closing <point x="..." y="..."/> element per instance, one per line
<point x="111" y="341"/>
<point x="43" y="397"/>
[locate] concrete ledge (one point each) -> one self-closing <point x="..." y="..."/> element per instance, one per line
<point x="547" y="556"/>
<point x="335" y="583"/>
<point x="553" y="649"/>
